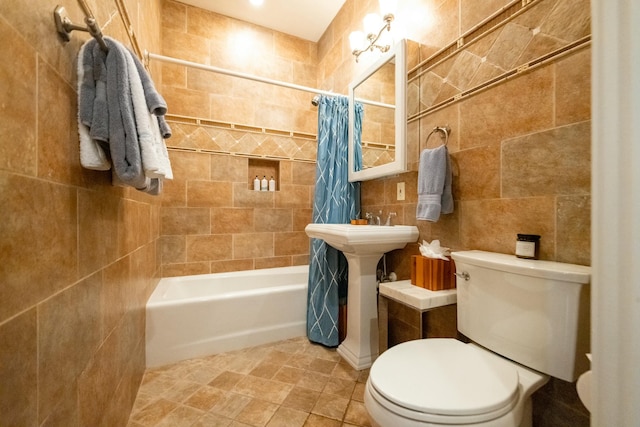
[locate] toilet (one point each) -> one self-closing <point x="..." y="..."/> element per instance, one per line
<point x="527" y="320"/>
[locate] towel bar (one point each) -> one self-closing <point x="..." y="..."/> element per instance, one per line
<point x="446" y="130"/>
<point x="64" y="26"/>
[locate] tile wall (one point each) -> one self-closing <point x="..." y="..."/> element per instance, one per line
<point x="211" y="220"/>
<point x="520" y="149"/>
<point x="80" y="258"/>
<point x="78" y="255"/>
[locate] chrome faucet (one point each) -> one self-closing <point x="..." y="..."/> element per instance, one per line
<point x="391" y="214"/>
<point x="373" y="220"/>
<point x="377" y="219"/>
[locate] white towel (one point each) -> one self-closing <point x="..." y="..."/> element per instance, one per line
<point x="155" y="159"/>
<point x="434" y="184"/>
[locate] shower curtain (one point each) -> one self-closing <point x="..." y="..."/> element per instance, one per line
<point x="336" y="201"/>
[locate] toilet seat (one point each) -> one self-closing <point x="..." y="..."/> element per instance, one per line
<point x="444" y="381"/>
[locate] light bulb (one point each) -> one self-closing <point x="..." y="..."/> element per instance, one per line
<point x="356" y="40"/>
<point x="388" y="7"/>
<point x="372" y="23"/>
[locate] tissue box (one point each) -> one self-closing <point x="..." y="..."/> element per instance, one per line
<point x="432" y="273"/>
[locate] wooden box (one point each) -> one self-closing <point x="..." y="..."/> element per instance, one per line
<point x="432" y="274"/>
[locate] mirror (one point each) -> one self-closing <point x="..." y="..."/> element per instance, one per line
<point x="377" y="112"/>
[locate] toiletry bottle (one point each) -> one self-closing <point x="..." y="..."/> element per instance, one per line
<point x="272" y="184"/>
<point x="256" y="184"/>
<point x="264" y="184"/>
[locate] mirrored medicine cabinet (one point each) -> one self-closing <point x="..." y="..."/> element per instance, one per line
<point x="380" y="91"/>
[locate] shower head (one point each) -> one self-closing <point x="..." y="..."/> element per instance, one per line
<point x="315" y="101"/>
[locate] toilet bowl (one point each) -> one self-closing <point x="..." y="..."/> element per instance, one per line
<point x="527" y="320"/>
<point x="444" y="382"/>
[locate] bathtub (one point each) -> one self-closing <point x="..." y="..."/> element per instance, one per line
<point x="195" y="316"/>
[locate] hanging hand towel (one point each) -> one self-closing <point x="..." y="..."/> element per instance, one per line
<point x="434" y="184"/>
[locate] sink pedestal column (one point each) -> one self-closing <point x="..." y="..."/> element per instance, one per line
<point x="360" y="347"/>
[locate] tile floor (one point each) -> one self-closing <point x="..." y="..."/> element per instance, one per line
<point x="285" y="384"/>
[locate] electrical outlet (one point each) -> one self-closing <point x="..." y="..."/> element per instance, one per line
<point x="400" y="191"/>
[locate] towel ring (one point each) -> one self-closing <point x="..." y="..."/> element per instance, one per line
<point x="446" y="130"/>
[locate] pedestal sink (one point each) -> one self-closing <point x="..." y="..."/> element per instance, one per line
<point x="363" y="246"/>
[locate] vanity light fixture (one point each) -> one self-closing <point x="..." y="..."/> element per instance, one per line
<point x="361" y="42"/>
<point x="257" y="2"/>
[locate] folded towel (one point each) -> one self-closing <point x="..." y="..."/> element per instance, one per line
<point x="434" y="184"/>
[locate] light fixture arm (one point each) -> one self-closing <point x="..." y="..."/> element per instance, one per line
<point x="373" y="38"/>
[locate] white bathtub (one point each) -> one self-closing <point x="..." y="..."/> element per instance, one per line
<point x="195" y="316"/>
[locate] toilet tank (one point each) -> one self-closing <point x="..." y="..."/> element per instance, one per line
<point x="533" y="312"/>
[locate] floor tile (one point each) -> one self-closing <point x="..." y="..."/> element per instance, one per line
<point x="320" y="421"/>
<point x="265" y="370"/>
<point x="212" y="420"/>
<point x="289" y="383"/>
<point x="356" y="414"/>
<point x="257" y="413"/>
<point x="153" y="413"/>
<point x="339" y="387"/>
<point x="290" y="375"/>
<point x="204" y="398"/>
<point x="322" y="366"/>
<point x="302" y="399"/>
<point x="260" y="388"/>
<point x="226" y="380"/>
<point x="287" y="417"/>
<point x="182" y="416"/>
<point x="230" y="405"/>
<point x="331" y="406"/>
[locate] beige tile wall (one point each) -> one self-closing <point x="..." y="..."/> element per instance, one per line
<point x="78" y="255"/>
<point x="520" y="150"/>
<point x="211" y="221"/>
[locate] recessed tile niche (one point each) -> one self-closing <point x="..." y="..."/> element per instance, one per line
<point x="263" y="168"/>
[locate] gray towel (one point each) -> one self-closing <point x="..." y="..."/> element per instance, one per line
<point x="92" y="152"/>
<point x="156" y="103"/>
<point x="434" y="184"/>
<point x="165" y="130"/>
<point x="123" y="135"/>
<point x="93" y="111"/>
<point x="105" y="107"/>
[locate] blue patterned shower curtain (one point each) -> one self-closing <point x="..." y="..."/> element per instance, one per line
<point x="336" y="201"/>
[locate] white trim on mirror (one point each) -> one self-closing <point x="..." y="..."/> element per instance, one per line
<point x="399" y="164"/>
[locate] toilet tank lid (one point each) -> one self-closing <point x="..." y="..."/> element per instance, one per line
<point x="528" y="267"/>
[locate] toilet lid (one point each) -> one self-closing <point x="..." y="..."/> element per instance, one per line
<point x="444" y="377"/>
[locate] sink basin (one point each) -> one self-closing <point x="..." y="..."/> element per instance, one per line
<point x="363" y="239"/>
<point x="363" y="246"/>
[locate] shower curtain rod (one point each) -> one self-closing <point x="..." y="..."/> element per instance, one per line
<point x="224" y="71"/>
